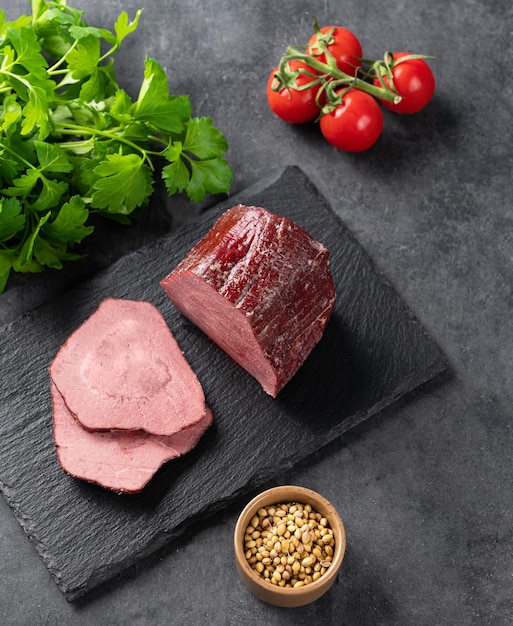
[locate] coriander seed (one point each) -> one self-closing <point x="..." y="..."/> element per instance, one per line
<point x="289" y="544"/>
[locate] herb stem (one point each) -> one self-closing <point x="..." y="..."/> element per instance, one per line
<point x="64" y="128"/>
<point x="74" y="145"/>
<point x="17" y="77"/>
<point x="52" y="70"/>
<point x="17" y="156"/>
<point x="108" y="53"/>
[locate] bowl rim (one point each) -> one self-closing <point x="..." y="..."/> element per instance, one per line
<point x="274" y="495"/>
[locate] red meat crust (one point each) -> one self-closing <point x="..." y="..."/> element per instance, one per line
<point x="260" y="287"/>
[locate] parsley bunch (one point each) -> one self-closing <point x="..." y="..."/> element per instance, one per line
<point x="73" y="142"/>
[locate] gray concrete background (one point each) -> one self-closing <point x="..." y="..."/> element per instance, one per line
<point x="424" y="488"/>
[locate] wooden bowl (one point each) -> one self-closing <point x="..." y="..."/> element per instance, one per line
<point x="255" y="581"/>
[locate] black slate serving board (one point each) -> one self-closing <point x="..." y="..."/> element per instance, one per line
<point x="374" y="350"/>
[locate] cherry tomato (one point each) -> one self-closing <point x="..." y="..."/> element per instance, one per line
<point x="414" y="81"/>
<point x="291" y="105"/>
<point x="345" y="48"/>
<point x="355" y="124"/>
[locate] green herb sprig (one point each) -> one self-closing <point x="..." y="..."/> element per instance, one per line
<point x="73" y="142"/>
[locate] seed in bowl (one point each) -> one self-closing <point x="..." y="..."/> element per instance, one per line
<point x="289" y="544"/>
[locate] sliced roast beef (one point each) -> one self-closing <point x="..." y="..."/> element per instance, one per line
<point x="122" y="369"/>
<point x="123" y="461"/>
<point x="260" y="287"/>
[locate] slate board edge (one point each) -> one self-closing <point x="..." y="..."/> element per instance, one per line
<point x="166" y="537"/>
<point x="403" y="391"/>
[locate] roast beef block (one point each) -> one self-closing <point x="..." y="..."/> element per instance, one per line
<point x="122" y="369"/>
<point x="123" y="461"/>
<point x="260" y="287"/>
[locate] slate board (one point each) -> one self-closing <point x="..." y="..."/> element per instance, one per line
<point x="374" y="350"/>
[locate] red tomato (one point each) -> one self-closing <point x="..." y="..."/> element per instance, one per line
<point x="291" y="105"/>
<point x="414" y="81"/>
<point x="355" y="124"/>
<point x="345" y="48"/>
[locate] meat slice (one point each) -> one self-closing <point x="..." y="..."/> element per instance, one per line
<point x="122" y="369"/>
<point x="123" y="461"/>
<point x="260" y="287"/>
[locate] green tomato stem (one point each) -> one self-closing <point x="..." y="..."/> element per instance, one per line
<point x="329" y="72"/>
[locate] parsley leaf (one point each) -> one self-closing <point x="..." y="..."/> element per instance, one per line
<point x="12" y="220"/>
<point x="84" y="57"/>
<point x="196" y="166"/>
<point x="69" y="223"/>
<point x="9" y="168"/>
<point x="124" y="183"/>
<point x="25" y="54"/>
<point x="73" y="142"/>
<point x="176" y="174"/>
<point x="203" y="139"/>
<point x="211" y="175"/>
<point x="123" y="27"/>
<point x="24" y="184"/>
<point x="51" y="157"/>
<point x="24" y="261"/>
<point x="51" y="253"/>
<point x="50" y="194"/>
<point x="156" y="106"/>
<point x="5" y="267"/>
<point x="42" y="192"/>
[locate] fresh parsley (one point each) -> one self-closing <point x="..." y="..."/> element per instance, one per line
<point x="72" y="141"/>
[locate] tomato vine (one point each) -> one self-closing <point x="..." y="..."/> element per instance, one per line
<point x="330" y="68"/>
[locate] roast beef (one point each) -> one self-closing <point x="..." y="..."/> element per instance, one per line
<point x="122" y="369"/>
<point x="123" y="461"/>
<point x="260" y="287"/>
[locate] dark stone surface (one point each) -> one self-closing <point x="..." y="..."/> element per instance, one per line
<point x="425" y="489"/>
